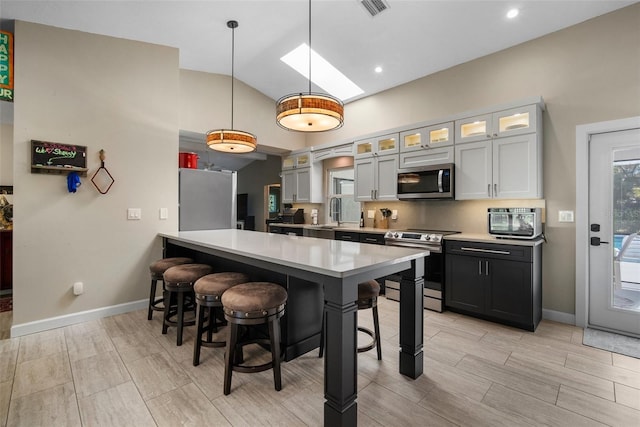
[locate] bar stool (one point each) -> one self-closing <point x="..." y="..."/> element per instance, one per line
<point x="179" y="282"/>
<point x="157" y="269"/>
<point x="209" y="290"/>
<point x="249" y="304"/>
<point x="367" y="298"/>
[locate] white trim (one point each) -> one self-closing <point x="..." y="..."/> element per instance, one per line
<point x="73" y="318"/>
<point x="559" y="316"/>
<point x="583" y="135"/>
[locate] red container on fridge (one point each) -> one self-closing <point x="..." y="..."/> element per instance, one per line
<point x="188" y="160"/>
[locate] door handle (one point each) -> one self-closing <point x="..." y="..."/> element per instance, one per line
<point x="495" y="190"/>
<point x="595" y="241"/>
<point x="488" y="190"/>
<point x="486" y="268"/>
<point x="479" y="268"/>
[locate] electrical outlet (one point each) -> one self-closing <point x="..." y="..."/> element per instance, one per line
<point x="565" y="216"/>
<point x="371" y="214"/>
<point x="394" y="214"/>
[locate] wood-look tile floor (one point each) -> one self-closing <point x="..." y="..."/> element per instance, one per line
<point x="122" y="371"/>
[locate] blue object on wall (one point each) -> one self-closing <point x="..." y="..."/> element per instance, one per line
<point x="73" y="182"/>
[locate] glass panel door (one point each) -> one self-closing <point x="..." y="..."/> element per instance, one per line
<point x="614" y="218"/>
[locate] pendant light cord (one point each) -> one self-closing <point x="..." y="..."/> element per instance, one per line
<point x="309" y="47"/>
<point x="233" y="48"/>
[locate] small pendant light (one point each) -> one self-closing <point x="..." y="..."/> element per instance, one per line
<point x="309" y="112"/>
<point x="230" y="140"/>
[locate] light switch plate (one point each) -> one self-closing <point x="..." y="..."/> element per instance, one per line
<point x="394" y="214"/>
<point x="565" y="216"/>
<point x="164" y="213"/>
<point x="371" y="214"/>
<point x="134" y="213"/>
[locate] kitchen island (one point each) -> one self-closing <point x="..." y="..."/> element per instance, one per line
<point x="338" y="267"/>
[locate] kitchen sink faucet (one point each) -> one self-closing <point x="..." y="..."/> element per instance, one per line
<point x="334" y="202"/>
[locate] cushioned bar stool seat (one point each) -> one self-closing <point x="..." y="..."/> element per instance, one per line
<point x="209" y="290"/>
<point x="249" y="304"/>
<point x="157" y="269"/>
<point x="368" y="293"/>
<point x="179" y="282"/>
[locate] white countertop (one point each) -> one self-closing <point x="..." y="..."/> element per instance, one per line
<point x="488" y="238"/>
<point x="335" y="258"/>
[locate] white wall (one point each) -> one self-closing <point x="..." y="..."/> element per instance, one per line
<point x="104" y="93"/>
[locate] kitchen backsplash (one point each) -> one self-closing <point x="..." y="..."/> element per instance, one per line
<point x="468" y="216"/>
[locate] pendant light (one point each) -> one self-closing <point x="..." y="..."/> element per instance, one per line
<point x="309" y="112"/>
<point x="230" y="140"/>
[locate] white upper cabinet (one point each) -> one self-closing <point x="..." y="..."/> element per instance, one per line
<point x="440" y="135"/>
<point x="328" y="153"/>
<point x="376" y="146"/>
<point x="376" y="178"/>
<point x="503" y="168"/>
<point x="430" y="145"/>
<point x="499" y="155"/>
<point x="299" y="160"/>
<point x="514" y="121"/>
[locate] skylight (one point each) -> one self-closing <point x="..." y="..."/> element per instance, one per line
<point x="323" y="74"/>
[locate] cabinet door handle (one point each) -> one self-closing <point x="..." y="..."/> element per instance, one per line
<point x="370" y="239"/>
<point x="486" y="251"/>
<point x="479" y="268"/>
<point x="495" y="190"/>
<point x="488" y="190"/>
<point x="486" y="268"/>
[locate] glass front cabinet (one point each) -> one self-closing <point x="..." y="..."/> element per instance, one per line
<point x="376" y="146"/>
<point x="514" y="121"/>
<point x="294" y="161"/>
<point x="430" y="145"/>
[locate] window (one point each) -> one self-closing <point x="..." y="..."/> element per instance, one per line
<point x="342" y="206"/>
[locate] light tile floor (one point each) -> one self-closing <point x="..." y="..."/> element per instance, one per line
<point x="122" y="371"/>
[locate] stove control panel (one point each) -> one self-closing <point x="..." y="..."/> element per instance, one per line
<point x="412" y="236"/>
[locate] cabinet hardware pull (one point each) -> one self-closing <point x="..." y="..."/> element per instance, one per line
<point x="479" y="268"/>
<point x="486" y="251"/>
<point x="486" y="268"/>
<point x="488" y="190"/>
<point x="370" y="239"/>
<point x="495" y="190"/>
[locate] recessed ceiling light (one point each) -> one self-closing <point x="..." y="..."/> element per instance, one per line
<point x="325" y="75"/>
<point x="512" y="13"/>
<point x="378" y="69"/>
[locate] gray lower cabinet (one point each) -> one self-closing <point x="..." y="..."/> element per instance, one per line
<point x="498" y="282"/>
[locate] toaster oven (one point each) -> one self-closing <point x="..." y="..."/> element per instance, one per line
<point x="515" y="223"/>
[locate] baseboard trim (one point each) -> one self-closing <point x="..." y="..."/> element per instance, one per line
<point x="73" y="318"/>
<point x="559" y="316"/>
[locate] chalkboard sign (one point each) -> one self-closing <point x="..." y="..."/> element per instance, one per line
<point x="58" y="158"/>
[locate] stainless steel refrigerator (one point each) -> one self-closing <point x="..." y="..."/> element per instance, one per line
<point x="207" y="199"/>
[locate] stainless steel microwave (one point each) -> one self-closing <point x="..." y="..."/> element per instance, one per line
<point x="515" y="223"/>
<point x="429" y="182"/>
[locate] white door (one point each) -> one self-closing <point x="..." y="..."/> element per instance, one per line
<point x="614" y="224"/>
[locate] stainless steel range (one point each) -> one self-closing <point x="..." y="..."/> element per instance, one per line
<point x="431" y="240"/>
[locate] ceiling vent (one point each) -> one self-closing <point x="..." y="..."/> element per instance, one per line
<point x="374" y="7"/>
